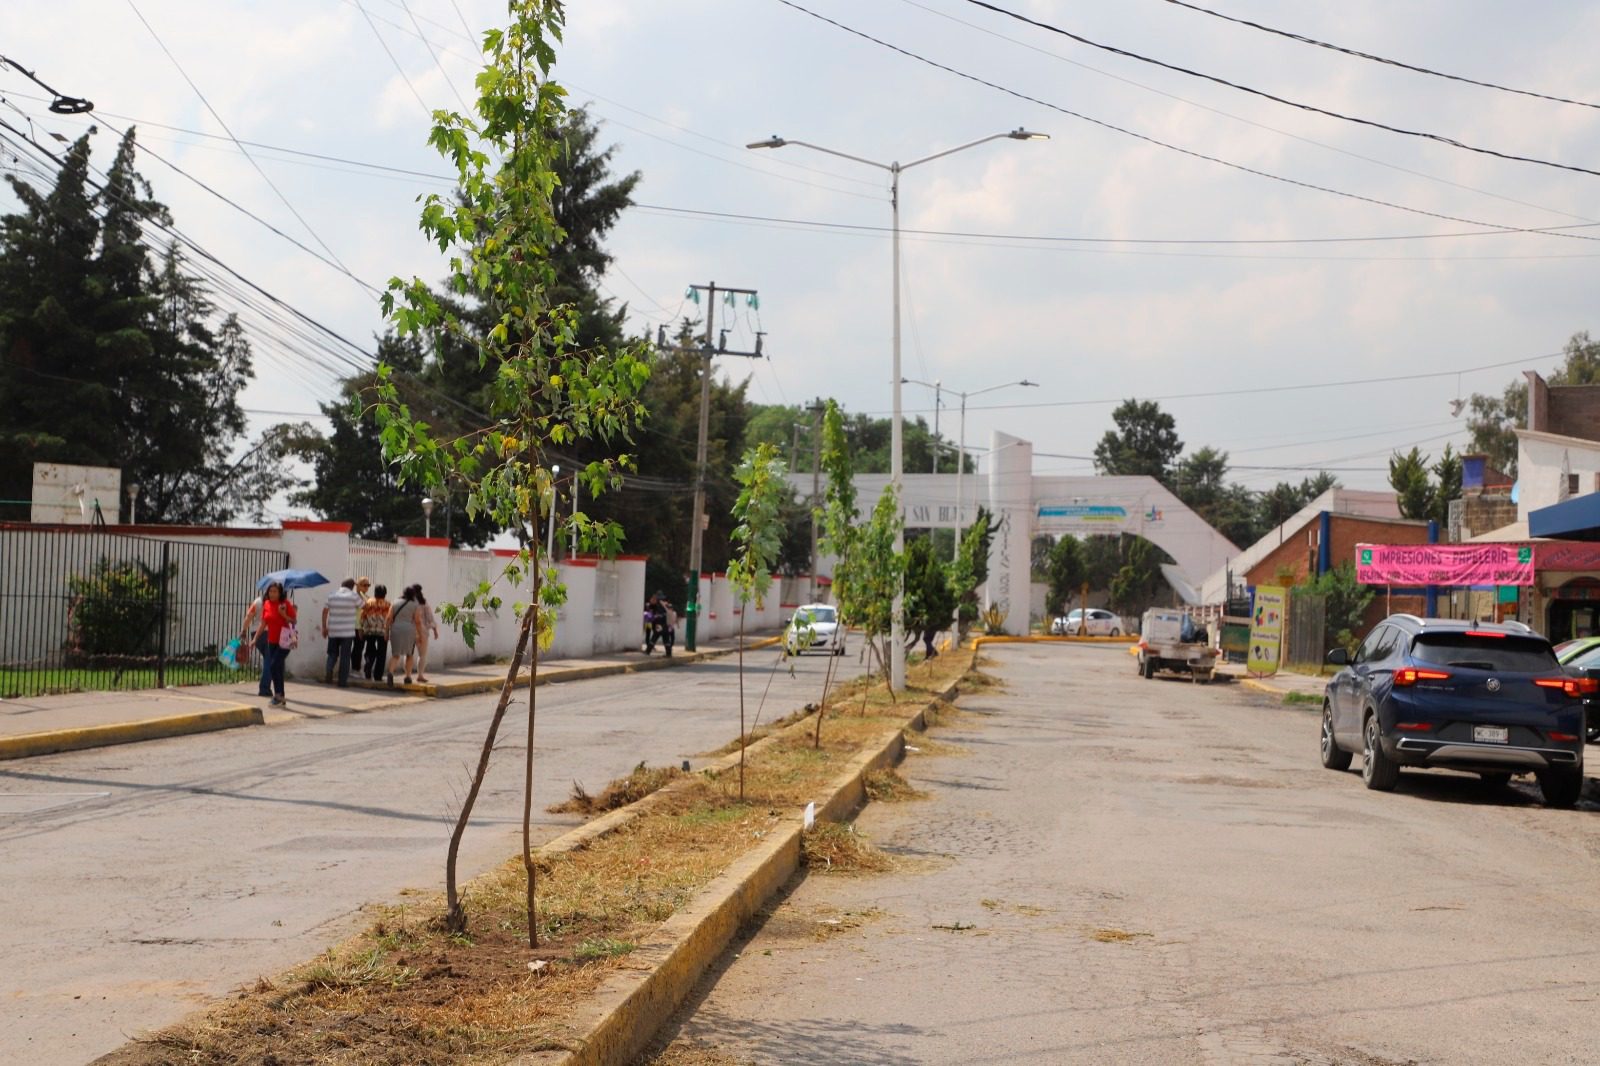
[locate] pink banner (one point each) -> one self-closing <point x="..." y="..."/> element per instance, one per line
<point x="1444" y="564"/>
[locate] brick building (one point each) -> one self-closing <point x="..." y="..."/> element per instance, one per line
<point x="1327" y="539"/>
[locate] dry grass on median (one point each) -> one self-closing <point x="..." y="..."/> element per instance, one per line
<point x="405" y="993"/>
<point x="639" y="783"/>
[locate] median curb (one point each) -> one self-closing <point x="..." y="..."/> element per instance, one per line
<point x="632" y="1005"/>
<point x="100" y="736"/>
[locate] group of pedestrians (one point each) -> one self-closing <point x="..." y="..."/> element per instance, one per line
<point x="363" y="632"/>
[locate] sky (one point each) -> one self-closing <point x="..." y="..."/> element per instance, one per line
<point x="1104" y="266"/>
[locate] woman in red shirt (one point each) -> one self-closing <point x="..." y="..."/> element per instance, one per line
<point x="276" y="613"/>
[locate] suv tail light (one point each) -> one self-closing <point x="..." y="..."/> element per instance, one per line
<point x="1575" y="687"/>
<point x="1410" y="675"/>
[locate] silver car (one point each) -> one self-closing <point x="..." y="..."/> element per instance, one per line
<point x="1099" y="623"/>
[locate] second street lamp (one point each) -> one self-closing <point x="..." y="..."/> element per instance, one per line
<point x="961" y="448"/>
<point x="897" y="651"/>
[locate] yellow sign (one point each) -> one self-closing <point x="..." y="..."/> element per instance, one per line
<point x="1266" y="630"/>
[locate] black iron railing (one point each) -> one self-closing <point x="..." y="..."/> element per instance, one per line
<point x="83" y="609"/>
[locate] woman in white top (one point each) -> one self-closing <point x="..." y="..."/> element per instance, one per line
<point x="425" y="626"/>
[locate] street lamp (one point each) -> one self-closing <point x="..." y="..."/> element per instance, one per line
<point x="897" y="651"/>
<point x="961" y="448"/>
<point x="427" y="516"/>
<point x="133" y="503"/>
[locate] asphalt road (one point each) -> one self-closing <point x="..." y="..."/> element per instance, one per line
<point x="143" y="880"/>
<point x="1114" y="870"/>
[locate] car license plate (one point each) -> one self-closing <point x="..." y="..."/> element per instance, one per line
<point x="1491" y="734"/>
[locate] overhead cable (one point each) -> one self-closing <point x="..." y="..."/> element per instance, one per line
<point x="1313" y="108"/>
<point x="226" y="129"/>
<point x="1192" y="153"/>
<point x="1253" y="123"/>
<point x="1382" y="59"/>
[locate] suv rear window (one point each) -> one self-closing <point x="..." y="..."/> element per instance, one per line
<point x="1521" y="655"/>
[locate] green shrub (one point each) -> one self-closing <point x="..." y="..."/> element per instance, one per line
<point x="115" y="609"/>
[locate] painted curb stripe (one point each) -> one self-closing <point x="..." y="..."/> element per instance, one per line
<point x="99" y="736"/>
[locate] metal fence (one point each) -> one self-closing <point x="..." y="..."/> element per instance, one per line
<point x="89" y="609"/>
<point x="1308" y="627"/>
<point x="382" y="563"/>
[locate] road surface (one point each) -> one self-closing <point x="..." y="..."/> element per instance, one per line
<point x="140" y="881"/>
<point x="1115" y="870"/>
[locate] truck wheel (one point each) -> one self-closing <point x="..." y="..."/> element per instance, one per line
<point x="1380" y="772"/>
<point x="1333" y="756"/>
<point x="1149" y="669"/>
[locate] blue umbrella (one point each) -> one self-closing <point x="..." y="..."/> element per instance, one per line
<point x="292" y="579"/>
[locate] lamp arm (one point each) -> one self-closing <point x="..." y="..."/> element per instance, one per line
<point x="841" y="155"/>
<point x="953" y="151"/>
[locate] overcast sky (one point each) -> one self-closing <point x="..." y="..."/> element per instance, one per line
<point x="681" y="87"/>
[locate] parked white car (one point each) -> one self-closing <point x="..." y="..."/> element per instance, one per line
<point x="1098" y="624"/>
<point x="814" y="627"/>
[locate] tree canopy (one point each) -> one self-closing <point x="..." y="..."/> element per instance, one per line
<point x="113" y="354"/>
<point x="1145" y="441"/>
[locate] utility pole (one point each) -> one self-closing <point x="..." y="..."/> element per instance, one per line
<point x="816" y="493"/>
<point x="697" y="528"/>
<point x="934" y="444"/>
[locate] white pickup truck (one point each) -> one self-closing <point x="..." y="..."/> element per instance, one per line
<point x="1170" y="640"/>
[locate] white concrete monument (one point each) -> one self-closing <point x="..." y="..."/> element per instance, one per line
<point x="1025" y="504"/>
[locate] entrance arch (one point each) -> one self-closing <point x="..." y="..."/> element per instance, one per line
<point x="1025" y="504"/>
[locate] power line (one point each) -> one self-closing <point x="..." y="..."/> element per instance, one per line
<point x="214" y="114"/>
<point x="1489" y="230"/>
<point x="1313" y="108"/>
<point x="1346" y="152"/>
<point x="1068" y="239"/>
<point x="434" y="56"/>
<point x="386" y="51"/>
<point x="1192" y="153"/>
<point x="1248" y="392"/>
<point x="1382" y="59"/>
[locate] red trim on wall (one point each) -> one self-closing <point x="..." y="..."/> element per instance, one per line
<point x="579" y="562"/>
<point x="505" y="553"/>
<point x="426" y="542"/>
<point x="141" y="530"/>
<point x="633" y="558"/>
<point x="301" y="525"/>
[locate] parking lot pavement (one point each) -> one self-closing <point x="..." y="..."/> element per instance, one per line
<point x="1113" y="870"/>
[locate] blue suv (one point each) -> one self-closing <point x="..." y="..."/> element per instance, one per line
<point x="1436" y="692"/>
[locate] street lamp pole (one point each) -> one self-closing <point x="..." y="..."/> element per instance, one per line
<point x="427" y="516"/>
<point x="961" y="448"/>
<point x="897" y="650"/>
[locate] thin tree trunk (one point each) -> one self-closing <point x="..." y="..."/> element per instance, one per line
<point x="755" y="723"/>
<point x="741" y="705"/>
<point x="455" y="914"/>
<point x="527" y="777"/>
<point x="822" y="708"/>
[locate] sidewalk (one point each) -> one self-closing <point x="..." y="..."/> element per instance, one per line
<point x="40" y="725"/>
<point x="1279" y="684"/>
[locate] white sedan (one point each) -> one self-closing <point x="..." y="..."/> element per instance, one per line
<point x="1098" y="624"/>
<point x="814" y="627"/>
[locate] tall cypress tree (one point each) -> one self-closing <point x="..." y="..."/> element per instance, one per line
<point x="53" y="398"/>
<point x="107" y="359"/>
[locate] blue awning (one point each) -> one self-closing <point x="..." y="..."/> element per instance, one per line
<point x="1574" y="519"/>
